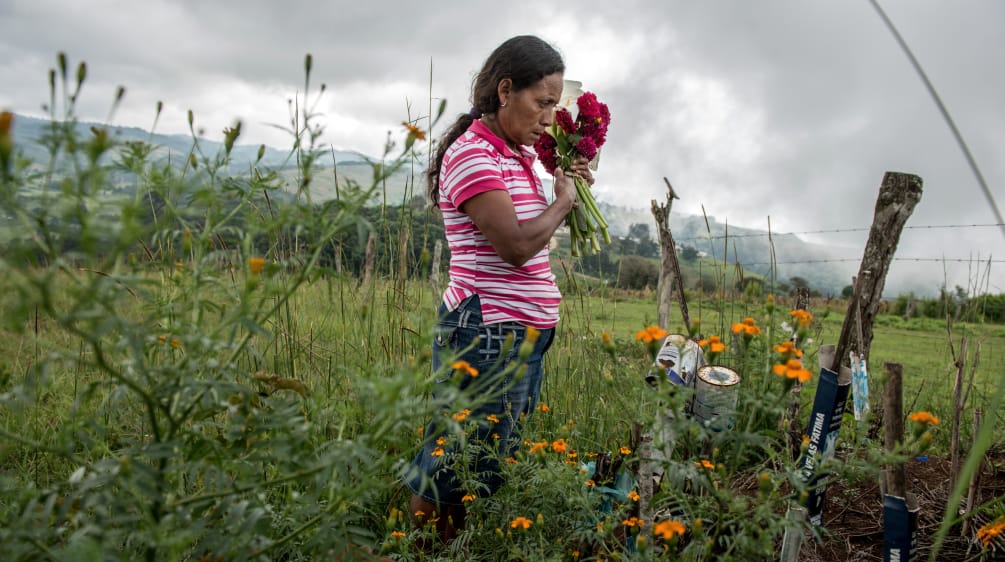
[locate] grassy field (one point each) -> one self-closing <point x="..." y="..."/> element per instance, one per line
<point x="332" y="330"/>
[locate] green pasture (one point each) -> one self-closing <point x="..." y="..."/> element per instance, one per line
<point x="333" y="330"/>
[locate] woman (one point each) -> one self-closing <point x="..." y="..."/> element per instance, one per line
<point x="498" y="225"/>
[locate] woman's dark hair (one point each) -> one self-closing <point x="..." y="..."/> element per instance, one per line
<point x="525" y="60"/>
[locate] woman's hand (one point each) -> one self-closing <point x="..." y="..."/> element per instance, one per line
<point x="565" y="189"/>
<point x="581" y="167"/>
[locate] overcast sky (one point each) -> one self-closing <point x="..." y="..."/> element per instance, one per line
<point x="787" y="109"/>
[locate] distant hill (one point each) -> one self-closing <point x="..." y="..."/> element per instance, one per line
<point x="750" y="247"/>
<point x="348" y="165"/>
<point x="30" y="132"/>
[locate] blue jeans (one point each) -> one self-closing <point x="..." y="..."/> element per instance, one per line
<point x="500" y="392"/>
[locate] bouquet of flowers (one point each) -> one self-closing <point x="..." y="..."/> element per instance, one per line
<point x="570" y="137"/>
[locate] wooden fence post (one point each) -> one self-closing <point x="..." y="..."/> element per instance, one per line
<point x="900" y="508"/>
<point x="893" y="428"/>
<point x="898" y="194"/>
<point x="670" y="278"/>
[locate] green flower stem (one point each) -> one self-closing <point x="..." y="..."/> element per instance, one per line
<point x="585" y="221"/>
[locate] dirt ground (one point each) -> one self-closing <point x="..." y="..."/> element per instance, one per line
<point x="853" y="516"/>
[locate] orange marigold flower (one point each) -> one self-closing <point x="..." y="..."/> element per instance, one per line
<point x="492" y="418"/>
<point x="255" y="264"/>
<point x="634" y="496"/>
<point x="651" y="334"/>
<point x="413" y="130"/>
<point x="559" y="446"/>
<point x="421" y="431"/>
<point x="747" y="327"/>
<point x="605" y="337"/>
<point x="792" y="369"/>
<point x="633" y="522"/>
<point x="705" y="463"/>
<point x="464" y="367"/>
<point x="468" y="498"/>
<point x="590" y="483"/>
<point x="802" y="317"/>
<point x="625" y="450"/>
<point x="543" y="408"/>
<point x="441" y="440"/>
<point x="538" y="447"/>
<point x="510" y="460"/>
<point x="788" y="349"/>
<point x="669" y="529"/>
<point x="462" y="415"/>
<point x="438" y="452"/>
<point x="521" y="523"/>
<point x="988" y="532"/>
<point x="713" y="343"/>
<point x="398" y="534"/>
<point x="923" y="417"/>
<point x="572" y="454"/>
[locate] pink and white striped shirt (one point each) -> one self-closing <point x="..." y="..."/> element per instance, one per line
<point x="479" y="161"/>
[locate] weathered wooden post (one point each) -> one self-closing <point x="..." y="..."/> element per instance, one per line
<point x="898" y="195"/>
<point x="900" y="509"/>
<point x="670" y="278"/>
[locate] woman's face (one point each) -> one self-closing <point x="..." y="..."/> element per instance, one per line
<point x="530" y="111"/>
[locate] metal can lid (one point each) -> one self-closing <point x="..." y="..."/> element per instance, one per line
<point x="718" y="375"/>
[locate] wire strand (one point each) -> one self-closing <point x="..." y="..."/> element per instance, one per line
<point x="840" y="230"/>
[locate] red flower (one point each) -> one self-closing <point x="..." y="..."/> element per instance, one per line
<point x="587" y="147"/>
<point x="546" y="151"/>
<point x="589" y="107"/>
<point x="564" y="120"/>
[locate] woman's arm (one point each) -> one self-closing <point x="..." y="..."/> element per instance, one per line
<point x="515" y="242"/>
